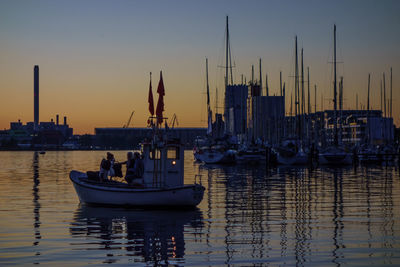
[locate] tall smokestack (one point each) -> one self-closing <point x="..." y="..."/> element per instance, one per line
<point x="36" y="96"/>
<point x="57" y="117"/>
<point x="65" y="120"/>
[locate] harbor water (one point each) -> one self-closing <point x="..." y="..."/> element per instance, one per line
<point x="250" y="216"/>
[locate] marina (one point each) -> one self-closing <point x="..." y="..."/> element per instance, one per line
<point x="280" y="149"/>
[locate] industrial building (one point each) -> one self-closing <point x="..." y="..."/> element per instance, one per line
<point x="36" y="134"/>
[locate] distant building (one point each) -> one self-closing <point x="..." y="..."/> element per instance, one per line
<point x="265" y="118"/>
<point x="235" y="112"/>
<point x="130" y="138"/>
<point x="45" y="134"/>
<point x="359" y="126"/>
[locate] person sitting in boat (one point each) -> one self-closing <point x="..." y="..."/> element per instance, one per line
<point x="138" y="170"/>
<point x="106" y="167"/>
<point x="130" y="164"/>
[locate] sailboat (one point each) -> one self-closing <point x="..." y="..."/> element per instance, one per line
<point x="290" y="152"/>
<point x="210" y="152"/>
<point x="163" y="175"/>
<point x="335" y="154"/>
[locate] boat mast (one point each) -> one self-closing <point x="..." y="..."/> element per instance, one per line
<point x="260" y="79"/>
<point x="216" y="101"/>
<point x="391" y="99"/>
<point x="227" y="60"/>
<point x="303" y="107"/>
<point x="209" y="118"/>
<point x="315" y="98"/>
<point x="369" y="77"/>
<point x="341" y="106"/>
<point x="227" y="53"/>
<point x="384" y="93"/>
<point x="280" y="81"/>
<point x="302" y="85"/>
<point x="334" y="88"/>
<point x="297" y="93"/>
<point x="381" y="100"/>
<point x="368" y="125"/>
<point x="384" y="106"/>
<point x="308" y="85"/>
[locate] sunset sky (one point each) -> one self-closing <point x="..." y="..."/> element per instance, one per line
<point x="95" y="56"/>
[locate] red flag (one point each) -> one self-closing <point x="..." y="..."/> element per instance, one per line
<point x="150" y="99"/>
<point x="160" y="103"/>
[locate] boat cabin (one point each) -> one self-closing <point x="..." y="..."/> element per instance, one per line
<point x="163" y="164"/>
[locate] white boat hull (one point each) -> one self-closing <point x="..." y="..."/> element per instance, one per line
<point x="215" y="157"/>
<point x="124" y="195"/>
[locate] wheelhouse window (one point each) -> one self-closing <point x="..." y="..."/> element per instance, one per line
<point x="155" y="154"/>
<point x="173" y="152"/>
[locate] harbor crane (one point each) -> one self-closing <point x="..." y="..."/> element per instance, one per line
<point x="174" y="119"/>
<point x="129" y="120"/>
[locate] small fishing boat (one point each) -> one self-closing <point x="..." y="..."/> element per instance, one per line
<point x="162" y="182"/>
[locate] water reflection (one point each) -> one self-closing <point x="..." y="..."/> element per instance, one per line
<point x="150" y="236"/>
<point x="294" y="215"/>
<point x="36" y="197"/>
<point x="250" y="216"/>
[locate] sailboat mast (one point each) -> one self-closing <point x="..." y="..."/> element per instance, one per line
<point x="297" y="95"/>
<point x="260" y="79"/>
<point x="227" y="53"/>
<point x="216" y="101"/>
<point x="209" y="115"/>
<point x="291" y="103"/>
<point x="341" y="105"/>
<point x="296" y="84"/>
<point x="302" y="84"/>
<point x="384" y="93"/>
<point x="208" y="88"/>
<point x="391" y="99"/>
<point x="315" y="98"/>
<point x="381" y="99"/>
<point x="334" y="88"/>
<point x="368" y="125"/>
<point x="369" y="80"/>
<point x="308" y="85"/>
